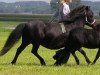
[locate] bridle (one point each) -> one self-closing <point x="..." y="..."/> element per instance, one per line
<point x="91" y="23"/>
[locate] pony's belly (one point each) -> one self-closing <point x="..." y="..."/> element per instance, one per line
<point x="51" y="46"/>
<point x="54" y="44"/>
<point x="91" y="46"/>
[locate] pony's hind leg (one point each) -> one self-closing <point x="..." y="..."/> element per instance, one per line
<point x="84" y="54"/>
<point x="34" y="51"/>
<point x="19" y="50"/>
<point x="97" y="56"/>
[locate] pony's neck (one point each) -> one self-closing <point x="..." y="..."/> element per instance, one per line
<point x="97" y="27"/>
<point x="78" y="23"/>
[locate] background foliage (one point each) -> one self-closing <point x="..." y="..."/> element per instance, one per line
<point x="40" y="7"/>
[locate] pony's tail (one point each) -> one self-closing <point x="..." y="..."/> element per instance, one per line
<point x="13" y="38"/>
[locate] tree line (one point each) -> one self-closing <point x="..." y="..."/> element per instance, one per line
<point x="37" y="7"/>
<point x="40" y="7"/>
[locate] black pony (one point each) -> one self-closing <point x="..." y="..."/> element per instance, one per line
<point x="40" y="33"/>
<point x="81" y="37"/>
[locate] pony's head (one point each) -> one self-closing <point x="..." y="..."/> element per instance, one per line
<point x="89" y="16"/>
<point x="83" y="11"/>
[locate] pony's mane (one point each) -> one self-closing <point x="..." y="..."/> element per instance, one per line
<point x="76" y="13"/>
<point x="77" y="10"/>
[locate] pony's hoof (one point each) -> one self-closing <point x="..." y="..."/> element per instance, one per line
<point x="92" y="63"/>
<point x="57" y="64"/>
<point x="78" y="63"/>
<point x="89" y="62"/>
<point x="43" y="64"/>
<point x="13" y="63"/>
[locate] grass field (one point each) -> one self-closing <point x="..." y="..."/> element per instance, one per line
<point x="28" y="64"/>
<point x="24" y="17"/>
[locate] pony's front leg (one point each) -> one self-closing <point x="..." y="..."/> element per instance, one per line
<point x="97" y="56"/>
<point x="84" y="54"/>
<point x="76" y="58"/>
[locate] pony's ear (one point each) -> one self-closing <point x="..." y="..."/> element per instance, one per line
<point x="87" y="7"/>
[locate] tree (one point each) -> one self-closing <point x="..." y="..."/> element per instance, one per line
<point x="75" y="3"/>
<point x="54" y="5"/>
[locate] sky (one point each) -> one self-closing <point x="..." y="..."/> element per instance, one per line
<point x="9" y="1"/>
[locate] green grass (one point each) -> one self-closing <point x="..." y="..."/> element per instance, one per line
<point x="24" y="17"/>
<point x="28" y="64"/>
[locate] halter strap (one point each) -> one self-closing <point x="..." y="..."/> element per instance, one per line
<point x="62" y="28"/>
<point x="89" y="22"/>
